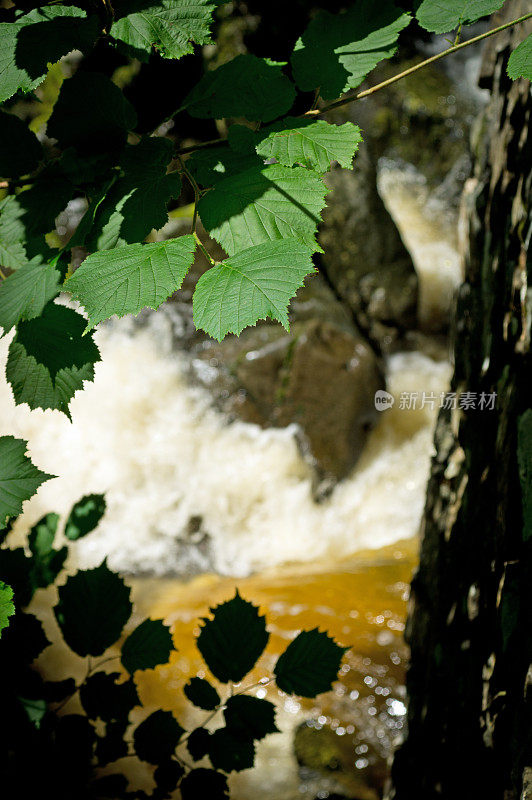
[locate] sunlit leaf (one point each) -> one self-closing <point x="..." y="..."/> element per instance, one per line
<point x="7" y="607"/>
<point x="19" y="478"/>
<point x="520" y="62"/>
<point x="24" y="293"/>
<point x="442" y="17"/>
<point x="312" y="144"/>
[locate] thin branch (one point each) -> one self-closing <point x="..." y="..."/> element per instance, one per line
<point x="203" y="146"/>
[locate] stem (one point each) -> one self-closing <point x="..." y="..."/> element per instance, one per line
<point x="431" y="60"/>
<point x="197" y="194"/>
<point x="203" y="146"/>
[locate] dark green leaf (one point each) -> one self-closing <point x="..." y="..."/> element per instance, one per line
<point x="520" y="62"/>
<point x="25" y="639"/>
<point x="136" y="203"/>
<point x="309" y="665"/>
<point x="229" y="753"/>
<point x="101" y="696"/>
<point x="442" y="17"/>
<point x="204" y="783"/>
<point x="49" y="359"/>
<point x="55" y="691"/>
<point x="37" y="39"/>
<point x="93" y="608"/>
<point x="198" y="743"/>
<point x="24" y="293"/>
<point x="337" y="51"/>
<point x="127" y="279"/>
<point x="150" y="644"/>
<point x="313" y="144"/>
<point x="20" y="150"/>
<point x="91" y="114"/>
<point x="16" y="570"/>
<point x="247" y="86"/>
<point x="232" y="642"/>
<point x="249" y="717"/>
<point x="253" y="284"/>
<point x="202" y="694"/>
<point x="112" y="746"/>
<point x="12" y="234"/>
<point x="85" y="516"/>
<point x="35" y="709"/>
<point x="47" y="563"/>
<point x="264" y="204"/>
<point x="211" y="165"/>
<point x="168" y="775"/>
<point x="7" y="607"/>
<point x="19" y="478"/>
<point x="157" y="737"/>
<point x="170" y="26"/>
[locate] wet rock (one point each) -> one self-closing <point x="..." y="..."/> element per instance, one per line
<point x="365" y="258"/>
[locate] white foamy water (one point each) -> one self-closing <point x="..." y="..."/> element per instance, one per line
<point x="161" y="454"/>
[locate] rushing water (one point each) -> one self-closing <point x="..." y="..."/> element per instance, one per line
<point x="164" y="457"/>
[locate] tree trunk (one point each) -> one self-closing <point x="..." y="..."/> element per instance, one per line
<point x="470" y="621"/>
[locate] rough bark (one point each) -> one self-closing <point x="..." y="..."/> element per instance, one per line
<point x="470" y="679"/>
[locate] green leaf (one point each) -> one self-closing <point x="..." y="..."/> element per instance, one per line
<point x="233" y="640"/>
<point x="157" y="737"/>
<point x="229" y="753"/>
<point x="47" y="563"/>
<point x="247" y="86"/>
<point x="170" y="26"/>
<point x="12" y="234"/>
<point x="7" y="607"/>
<point x="249" y="717"/>
<point x="150" y="644"/>
<point x="49" y="359"/>
<point x="36" y="39"/>
<point x="24" y="293"/>
<point x="25" y="639"/>
<point x="309" y="665"/>
<point x="102" y="697"/>
<point x="85" y="516"/>
<point x="442" y="17"/>
<point x="204" y="783"/>
<point x="91" y="114"/>
<point x="202" y="694"/>
<point x="16" y="569"/>
<point x="198" y="743"/>
<point x="263" y="204"/>
<point x="252" y="285"/>
<point x="35" y="709"/>
<point x="337" y="51"/>
<point x="520" y="62"/>
<point x="168" y="775"/>
<point x="19" y="478"/>
<point x="312" y="144"/>
<point x="136" y="203"/>
<point x="212" y="165"/>
<point x="126" y="279"/>
<point x="93" y="608"/>
<point x="20" y="150"/>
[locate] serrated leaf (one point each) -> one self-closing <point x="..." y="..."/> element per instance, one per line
<point x="442" y="17"/>
<point x="337" y="51"/>
<point x="7" y="607"/>
<point x="136" y="203"/>
<point x="149" y="645"/>
<point x="85" y="516"/>
<point x="200" y="692"/>
<point x="157" y="737"/>
<point x="309" y="665"/>
<point x="47" y="563"/>
<point x="233" y="640"/>
<point x="20" y="150"/>
<point x="212" y="165"/>
<point x="520" y="62"/>
<point x="19" y="478"/>
<point x="168" y="775"/>
<point x="102" y="697"/>
<point x="12" y="234"/>
<point x="229" y="753"/>
<point x="264" y="204"/>
<point x="312" y="144"/>
<point x="93" y="608"/>
<point x="204" y="783"/>
<point x="170" y="26"/>
<point x="257" y="283"/>
<point x="91" y="114"/>
<point x="38" y="38"/>
<point x="198" y="743"/>
<point x="24" y="293"/>
<point x="247" y="86"/>
<point x="49" y="359"/>
<point x="126" y="279"/>
<point x="249" y="717"/>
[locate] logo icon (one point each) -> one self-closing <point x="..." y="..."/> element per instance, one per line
<point x="383" y="400"/>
